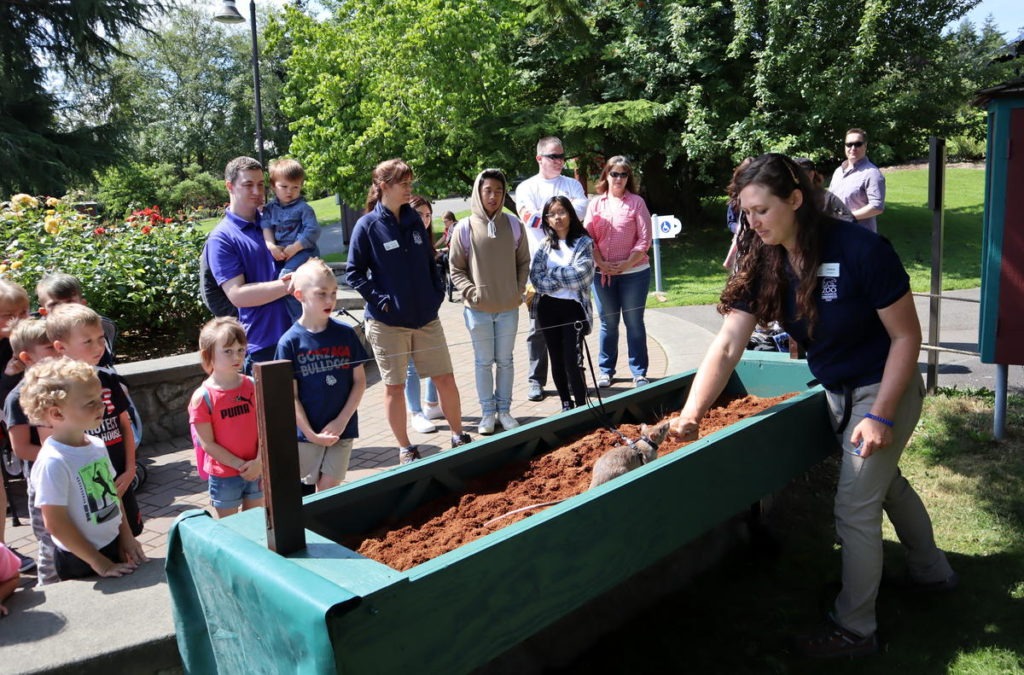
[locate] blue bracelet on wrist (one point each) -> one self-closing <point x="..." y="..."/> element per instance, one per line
<point x="888" y="423"/>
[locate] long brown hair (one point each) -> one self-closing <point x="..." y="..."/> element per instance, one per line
<point x="388" y="172"/>
<point x="762" y="274"/>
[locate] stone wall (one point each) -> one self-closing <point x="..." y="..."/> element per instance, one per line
<point x="161" y="389"/>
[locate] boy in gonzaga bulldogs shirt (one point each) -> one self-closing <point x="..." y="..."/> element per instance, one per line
<point x="327" y="359"/>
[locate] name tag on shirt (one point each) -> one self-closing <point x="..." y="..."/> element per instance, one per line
<point x="390" y="245"/>
<point x="828" y="270"/>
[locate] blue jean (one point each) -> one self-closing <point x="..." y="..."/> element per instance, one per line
<point x="625" y="294"/>
<point x="412" y="390"/>
<point x="258" y="356"/>
<point x="494" y="337"/>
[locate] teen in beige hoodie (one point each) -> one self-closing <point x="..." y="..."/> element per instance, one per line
<point x="490" y="264"/>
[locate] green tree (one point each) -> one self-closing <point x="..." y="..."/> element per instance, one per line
<point x="686" y="87"/>
<point x="418" y="79"/>
<point x="56" y="39"/>
<point x="190" y="85"/>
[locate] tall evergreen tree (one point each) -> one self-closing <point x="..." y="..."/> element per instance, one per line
<point x="42" y="41"/>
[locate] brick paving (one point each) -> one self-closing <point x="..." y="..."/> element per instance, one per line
<point x="173" y="486"/>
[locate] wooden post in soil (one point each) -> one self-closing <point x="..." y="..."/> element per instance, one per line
<point x="275" y="414"/>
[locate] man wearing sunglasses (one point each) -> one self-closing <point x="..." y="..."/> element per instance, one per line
<point x="531" y="195"/>
<point x="858" y="182"/>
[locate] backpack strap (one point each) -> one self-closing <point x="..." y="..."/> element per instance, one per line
<point x="209" y="399"/>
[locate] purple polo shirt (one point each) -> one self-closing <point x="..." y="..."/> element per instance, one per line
<point x="236" y="247"/>
<point x="859" y="186"/>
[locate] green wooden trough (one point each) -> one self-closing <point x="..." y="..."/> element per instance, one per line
<point x="240" y="607"/>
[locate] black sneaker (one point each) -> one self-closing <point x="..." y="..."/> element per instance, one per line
<point x="461" y="439"/>
<point x="567" y="405"/>
<point x="27" y="564"/>
<point x="907" y="585"/>
<point x="834" y="641"/>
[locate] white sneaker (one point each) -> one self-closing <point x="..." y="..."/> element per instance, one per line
<point x="486" y="425"/>
<point x="422" y="424"/>
<point x="506" y="421"/>
<point x="432" y="411"/>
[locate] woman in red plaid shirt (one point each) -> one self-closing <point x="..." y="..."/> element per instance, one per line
<point x="620" y="225"/>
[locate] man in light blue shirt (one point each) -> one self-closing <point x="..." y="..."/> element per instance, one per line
<point x="858" y="182"/>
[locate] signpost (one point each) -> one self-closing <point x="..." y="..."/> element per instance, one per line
<point x="662" y="227"/>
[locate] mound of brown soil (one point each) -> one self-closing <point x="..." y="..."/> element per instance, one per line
<point x="447" y="523"/>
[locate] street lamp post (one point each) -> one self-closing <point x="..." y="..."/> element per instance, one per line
<point x="228" y="13"/>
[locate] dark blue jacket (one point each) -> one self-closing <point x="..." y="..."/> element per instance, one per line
<point x="391" y="264"/>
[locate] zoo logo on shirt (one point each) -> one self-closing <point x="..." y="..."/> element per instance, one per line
<point x="829" y="274"/>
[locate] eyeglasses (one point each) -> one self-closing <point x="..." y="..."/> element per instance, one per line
<point x="555" y="156"/>
<point x="619" y="174"/>
<point x="855" y="144"/>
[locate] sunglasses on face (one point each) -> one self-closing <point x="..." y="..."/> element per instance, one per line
<point x="555" y="156"/>
<point x="855" y="144"/>
<point x="618" y="174"/>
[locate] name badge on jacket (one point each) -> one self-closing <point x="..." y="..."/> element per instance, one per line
<point x="390" y="245"/>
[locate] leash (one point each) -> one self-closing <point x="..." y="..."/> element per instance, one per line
<point x="599" y="412"/>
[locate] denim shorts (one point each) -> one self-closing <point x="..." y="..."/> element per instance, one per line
<point x="228" y="492"/>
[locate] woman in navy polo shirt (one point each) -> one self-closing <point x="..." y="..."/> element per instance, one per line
<point x="843" y="294"/>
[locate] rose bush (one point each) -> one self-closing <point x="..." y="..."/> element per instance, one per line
<point x="141" y="272"/>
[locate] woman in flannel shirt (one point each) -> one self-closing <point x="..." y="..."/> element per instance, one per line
<point x="562" y="271"/>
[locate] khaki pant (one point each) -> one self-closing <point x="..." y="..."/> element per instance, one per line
<point x="867" y="486"/>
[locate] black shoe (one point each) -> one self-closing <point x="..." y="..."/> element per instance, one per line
<point x="908" y="585"/>
<point x="535" y="392"/>
<point x="834" y="641"/>
<point x="461" y="439"/>
<point x="27" y="564"/>
<point x="567" y="405"/>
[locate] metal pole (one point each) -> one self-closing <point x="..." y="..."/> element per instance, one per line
<point x="999" y="416"/>
<point x="936" y="190"/>
<point x="256" y="83"/>
<point x="657" y="255"/>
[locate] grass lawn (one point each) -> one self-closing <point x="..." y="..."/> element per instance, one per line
<point x="739" y="617"/>
<point x="692" y="270"/>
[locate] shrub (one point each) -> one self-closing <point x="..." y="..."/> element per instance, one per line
<point x="142" y="272"/>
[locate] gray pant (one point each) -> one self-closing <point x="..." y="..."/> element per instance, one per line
<point x="537" y="351"/>
<point x="46" y="567"/>
<point x="867" y="486"/>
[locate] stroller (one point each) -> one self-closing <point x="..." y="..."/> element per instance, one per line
<point x="11" y="468"/>
<point x="444" y="270"/>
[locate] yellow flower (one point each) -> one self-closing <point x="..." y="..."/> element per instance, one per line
<point x="16" y="264"/>
<point x="52" y="225"/>
<point x="52" y="201"/>
<point x="50" y="212"/>
<point x="24" y="201"/>
<point x="3" y="268"/>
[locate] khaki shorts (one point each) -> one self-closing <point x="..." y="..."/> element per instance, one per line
<point x="392" y="346"/>
<point x="315" y="460"/>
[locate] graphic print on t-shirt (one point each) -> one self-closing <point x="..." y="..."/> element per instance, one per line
<point x="99" y="491"/>
<point x="323" y="359"/>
